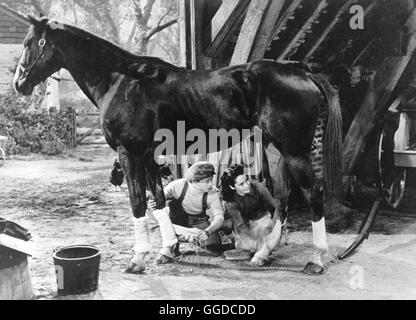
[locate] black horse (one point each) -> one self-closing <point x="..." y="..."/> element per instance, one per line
<point x="138" y="95"/>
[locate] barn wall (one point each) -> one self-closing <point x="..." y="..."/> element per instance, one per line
<point x="8" y="55"/>
<point x="12" y="31"/>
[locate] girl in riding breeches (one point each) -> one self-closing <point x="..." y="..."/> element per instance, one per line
<point x="194" y="203"/>
<point x="251" y="207"/>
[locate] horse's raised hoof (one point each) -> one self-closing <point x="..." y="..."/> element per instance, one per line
<point x="162" y="259"/>
<point x="313" y="269"/>
<point x="136" y="265"/>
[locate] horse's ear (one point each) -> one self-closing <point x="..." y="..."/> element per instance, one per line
<point x="33" y="20"/>
<point x="38" y="24"/>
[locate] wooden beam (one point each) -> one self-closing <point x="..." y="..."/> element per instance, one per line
<point x="328" y="29"/>
<point x="264" y="36"/>
<point x="366" y="48"/>
<point x="227" y="18"/>
<point x="197" y="8"/>
<point x="185" y="56"/>
<point x="281" y="23"/>
<point x="297" y="39"/>
<point x="378" y="94"/>
<point x="248" y="31"/>
<point x="223" y="14"/>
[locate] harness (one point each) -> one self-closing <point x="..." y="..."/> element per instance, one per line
<point x="41" y="45"/>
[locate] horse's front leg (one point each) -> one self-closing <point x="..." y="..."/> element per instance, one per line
<point x="135" y="174"/>
<point x="155" y="182"/>
<point x="312" y="189"/>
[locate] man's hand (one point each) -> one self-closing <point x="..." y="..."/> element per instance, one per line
<point x="151" y="204"/>
<point x="202" y="235"/>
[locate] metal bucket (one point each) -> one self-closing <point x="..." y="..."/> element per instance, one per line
<point x="77" y="269"/>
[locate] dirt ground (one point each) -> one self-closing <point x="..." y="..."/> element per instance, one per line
<point x="68" y="200"/>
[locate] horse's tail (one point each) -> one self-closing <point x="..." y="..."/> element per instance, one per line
<point x="332" y="145"/>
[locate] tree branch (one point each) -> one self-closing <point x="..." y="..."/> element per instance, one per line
<point x="147" y="10"/>
<point x="153" y="31"/>
<point x="163" y="17"/>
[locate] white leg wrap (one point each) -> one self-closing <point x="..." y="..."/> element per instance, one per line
<point x="319" y="236"/>
<point x="141" y="233"/>
<point x="167" y="231"/>
<point x="320" y="242"/>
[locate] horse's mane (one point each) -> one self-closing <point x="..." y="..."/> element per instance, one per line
<point x="132" y="65"/>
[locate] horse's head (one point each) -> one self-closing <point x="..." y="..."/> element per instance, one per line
<point x="39" y="59"/>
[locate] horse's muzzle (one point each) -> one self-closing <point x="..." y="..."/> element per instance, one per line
<point x="23" y="87"/>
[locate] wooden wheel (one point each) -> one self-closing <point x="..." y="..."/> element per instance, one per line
<point x="2" y="157"/>
<point x="392" y="178"/>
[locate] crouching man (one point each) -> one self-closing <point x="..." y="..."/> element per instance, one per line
<point x="189" y="200"/>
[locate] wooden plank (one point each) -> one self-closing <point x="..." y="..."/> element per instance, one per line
<point x="221" y="17"/>
<point x="248" y="31"/>
<point x="89" y="132"/>
<point x="405" y="159"/>
<point x="328" y="29"/>
<point x="224" y="23"/>
<point x="16" y="244"/>
<point x="185" y="56"/>
<point x="379" y="92"/>
<point x="296" y="40"/>
<point x="196" y="25"/>
<point x="264" y="36"/>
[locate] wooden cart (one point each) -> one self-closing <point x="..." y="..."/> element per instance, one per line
<point x="396" y="157"/>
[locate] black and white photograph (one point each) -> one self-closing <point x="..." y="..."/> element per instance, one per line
<point x="215" y="151"/>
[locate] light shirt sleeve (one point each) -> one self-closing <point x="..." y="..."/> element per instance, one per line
<point x="217" y="212"/>
<point x="174" y="189"/>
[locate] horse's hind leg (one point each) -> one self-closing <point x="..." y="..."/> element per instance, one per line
<point x="303" y="174"/>
<point x="134" y="171"/>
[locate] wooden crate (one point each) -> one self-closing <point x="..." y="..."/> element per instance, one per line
<point x="15" y="283"/>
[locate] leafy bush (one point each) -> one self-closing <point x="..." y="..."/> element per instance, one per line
<point x="31" y="130"/>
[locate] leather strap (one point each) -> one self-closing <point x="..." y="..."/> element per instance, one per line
<point x="185" y="188"/>
<point x="204" y="203"/>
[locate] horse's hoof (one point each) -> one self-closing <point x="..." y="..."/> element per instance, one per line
<point x="135" y="268"/>
<point x="162" y="259"/>
<point x="136" y="264"/>
<point x="257" y="262"/>
<point x="313" y="269"/>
